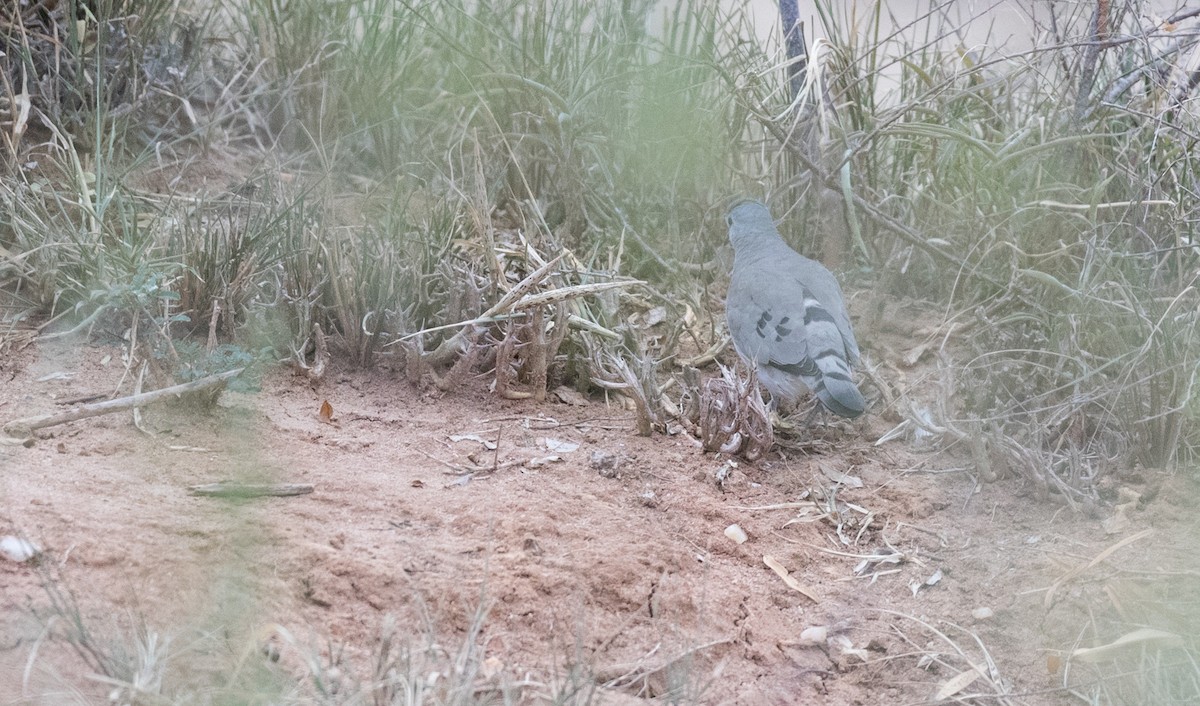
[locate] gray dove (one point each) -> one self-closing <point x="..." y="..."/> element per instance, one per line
<point x="787" y="315"/>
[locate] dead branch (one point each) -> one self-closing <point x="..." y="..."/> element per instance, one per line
<point x="227" y="489"/>
<point x="29" y="424"/>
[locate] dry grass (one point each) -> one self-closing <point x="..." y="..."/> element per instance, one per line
<point x="406" y="666"/>
<point x="504" y="190"/>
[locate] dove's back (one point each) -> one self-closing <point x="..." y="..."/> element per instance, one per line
<point x="787" y="316"/>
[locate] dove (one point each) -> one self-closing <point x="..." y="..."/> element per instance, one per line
<point x="787" y="316"/>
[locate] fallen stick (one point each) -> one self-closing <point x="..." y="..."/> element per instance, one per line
<point x="227" y="489"/>
<point x="28" y="424"/>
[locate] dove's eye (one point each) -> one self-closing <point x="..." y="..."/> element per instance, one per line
<point x="729" y="221"/>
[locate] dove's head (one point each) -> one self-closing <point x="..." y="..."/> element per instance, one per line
<point x="748" y="221"/>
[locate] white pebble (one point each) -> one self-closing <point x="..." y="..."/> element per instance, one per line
<point x="736" y="533"/>
<point x="17" y="549"/>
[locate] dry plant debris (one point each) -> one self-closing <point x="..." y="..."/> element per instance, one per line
<point x="231" y="489"/>
<point x="791" y="581"/>
<point x="733" y="417"/>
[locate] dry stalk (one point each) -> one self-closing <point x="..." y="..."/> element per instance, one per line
<point x="558" y="331"/>
<point x="321" y="357"/>
<point x="212" y="326"/>
<point x="647" y="678"/>
<point x="709" y="356"/>
<point x="415" y="366"/>
<point x="481" y="217"/>
<point x="316" y="371"/>
<point x="689" y="401"/>
<point x="536" y="360"/>
<point x="1048" y="600"/>
<point x="504" y="372"/>
<point x="28" y="424"/>
<point x="621" y="377"/>
<point x="137" y="390"/>
<point x="458" y="372"/>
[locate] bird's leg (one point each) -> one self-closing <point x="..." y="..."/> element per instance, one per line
<point x="778" y="421"/>
<point x="814" y="410"/>
<point x="818" y="411"/>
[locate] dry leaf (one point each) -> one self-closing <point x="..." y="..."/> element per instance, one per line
<point x="838" y="477"/>
<point x="569" y="396"/>
<point x="539" y="461"/>
<point x="1053" y="664"/>
<point x="491" y="667"/>
<point x="956" y="684"/>
<point x="559" y="446"/>
<point x="1117" y="522"/>
<point x="489" y="445"/>
<point x="655" y="316"/>
<point x="913" y="356"/>
<point x="787" y="577"/>
<point x="326" y="412"/>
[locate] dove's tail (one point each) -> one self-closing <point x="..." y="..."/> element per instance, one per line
<point x="830" y="381"/>
<point x="838" y="392"/>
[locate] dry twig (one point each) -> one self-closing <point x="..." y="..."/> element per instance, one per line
<point x="28" y="424"/>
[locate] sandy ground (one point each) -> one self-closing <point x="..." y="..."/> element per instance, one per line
<point x="612" y="559"/>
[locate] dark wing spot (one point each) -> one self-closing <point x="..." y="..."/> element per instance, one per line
<point x="782" y="330"/>
<point x="805" y="367"/>
<point x="813" y="311"/>
<point x="761" y="327"/>
<point x="816" y="313"/>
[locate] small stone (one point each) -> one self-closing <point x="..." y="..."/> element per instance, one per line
<point x="736" y="533"/>
<point x="17" y="549"/>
